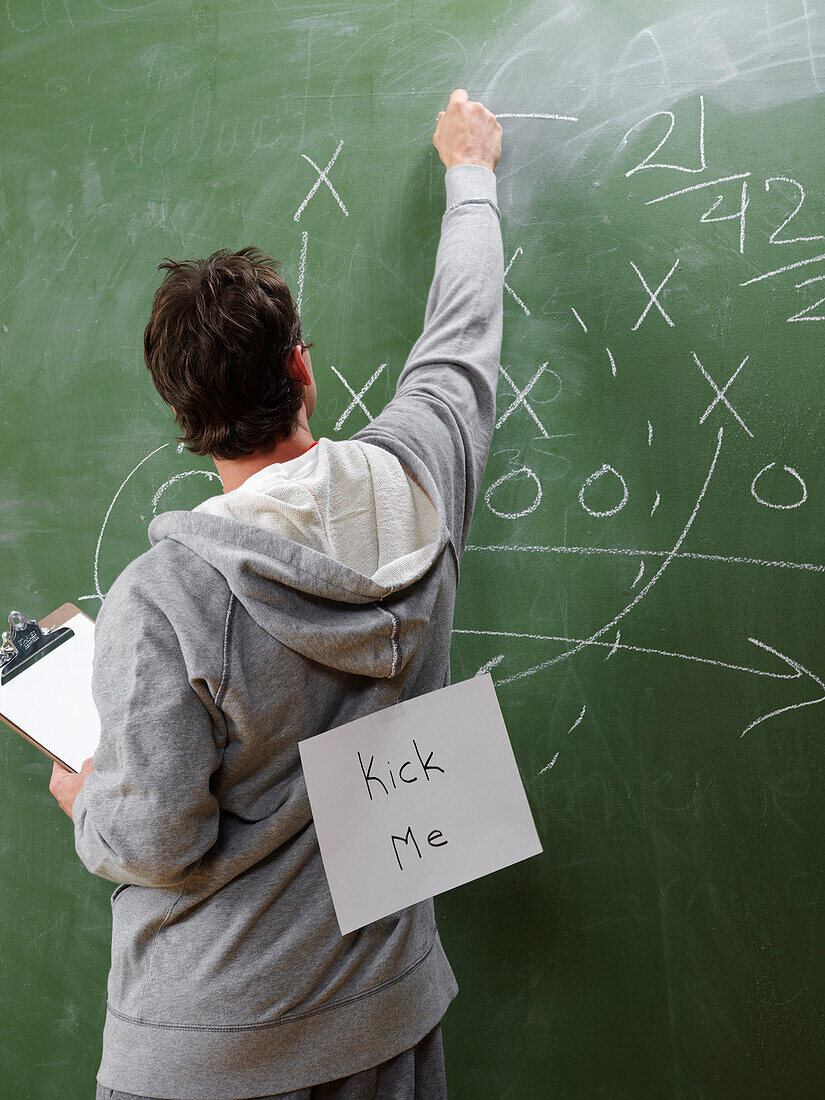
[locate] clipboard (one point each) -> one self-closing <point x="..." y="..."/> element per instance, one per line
<point x="47" y="698"/>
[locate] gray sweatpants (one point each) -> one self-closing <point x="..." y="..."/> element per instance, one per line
<point x="414" y="1074"/>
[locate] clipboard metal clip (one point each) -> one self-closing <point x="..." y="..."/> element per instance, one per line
<point x="26" y="642"/>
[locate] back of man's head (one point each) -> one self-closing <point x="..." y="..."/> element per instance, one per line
<point x="216" y="345"/>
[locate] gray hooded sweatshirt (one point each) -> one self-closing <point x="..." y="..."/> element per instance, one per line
<point x="266" y="615"/>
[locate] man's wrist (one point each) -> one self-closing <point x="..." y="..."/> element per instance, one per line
<point x="470" y="183"/>
<point x="473" y="164"/>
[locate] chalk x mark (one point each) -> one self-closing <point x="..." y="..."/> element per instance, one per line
<point x="654" y="295"/>
<point x="720" y="394"/>
<point x="356" y="397"/>
<point x="322" y="178"/>
<point x="521" y="396"/>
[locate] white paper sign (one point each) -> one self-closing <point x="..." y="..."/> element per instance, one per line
<point x="416" y="799"/>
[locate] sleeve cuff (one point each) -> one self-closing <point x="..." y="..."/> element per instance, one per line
<point x="470" y="181"/>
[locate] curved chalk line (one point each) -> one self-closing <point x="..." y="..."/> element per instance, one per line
<point x="642" y="592"/>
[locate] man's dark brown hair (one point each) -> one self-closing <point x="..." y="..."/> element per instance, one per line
<point x="216" y="345"/>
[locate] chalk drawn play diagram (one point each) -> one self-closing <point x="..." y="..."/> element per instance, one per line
<point x="720" y="417"/>
<point x="774" y="482"/>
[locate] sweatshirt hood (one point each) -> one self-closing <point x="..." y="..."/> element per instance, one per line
<point x="334" y="564"/>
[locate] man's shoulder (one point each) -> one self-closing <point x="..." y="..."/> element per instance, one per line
<point x="165" y="575"/>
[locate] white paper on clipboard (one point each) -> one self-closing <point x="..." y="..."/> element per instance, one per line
<point x="51" y="701"/>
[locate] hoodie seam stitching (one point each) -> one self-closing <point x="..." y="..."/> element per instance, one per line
<point x="158" y="930"/>
<point x="292" y="1018"/>
<point x="393" y="642"/>
<point x="320" y="514"/>
<point x="227" y="650"/>
<point x="410" y="474"/>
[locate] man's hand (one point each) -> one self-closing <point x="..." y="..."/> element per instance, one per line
<point x="64" y="784"/>
<point x="467" y="133"/>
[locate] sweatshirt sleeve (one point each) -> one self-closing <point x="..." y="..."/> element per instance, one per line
<point x="444" y="406"/>
<point x="146" y="814"/>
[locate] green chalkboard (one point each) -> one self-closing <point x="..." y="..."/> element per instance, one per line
<point x="646" y="571"/>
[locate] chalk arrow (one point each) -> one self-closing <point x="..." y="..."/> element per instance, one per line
<point x="796" y="669"/>
<point x="799" y="670"/>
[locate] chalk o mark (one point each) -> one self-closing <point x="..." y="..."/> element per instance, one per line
<point x="768" y="504"/>
<point x="506" y="477"/>
<point x="595" y="477"/>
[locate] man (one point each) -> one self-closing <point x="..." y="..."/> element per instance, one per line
<point x="318" y="588"/>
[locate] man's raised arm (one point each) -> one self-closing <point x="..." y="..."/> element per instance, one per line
<point x="443" y="410"/>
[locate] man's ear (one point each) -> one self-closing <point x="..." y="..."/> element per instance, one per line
<point x="297" y="368"/>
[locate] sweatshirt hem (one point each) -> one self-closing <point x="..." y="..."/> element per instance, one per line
<point x="229" y="1062"/>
